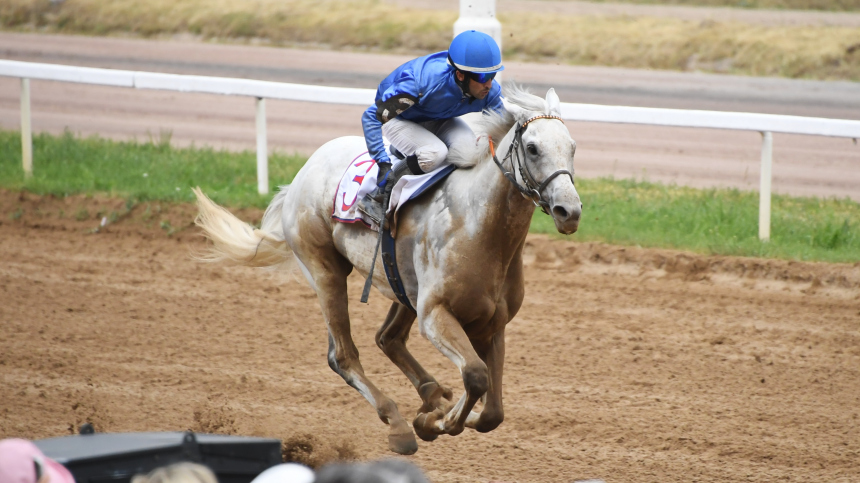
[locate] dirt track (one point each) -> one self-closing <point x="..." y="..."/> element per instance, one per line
<point x="628" y="365"/>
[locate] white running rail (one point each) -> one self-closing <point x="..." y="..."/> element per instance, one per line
<point x="766" y="124"/>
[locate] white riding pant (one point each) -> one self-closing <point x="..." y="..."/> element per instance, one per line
<point x="428" y="140"/>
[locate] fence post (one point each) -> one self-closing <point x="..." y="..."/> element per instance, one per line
<point x="262" y="154"/>
<point x="479" y="15"/>
<point x="26" y="129"/>
<point x="764" y="187"/>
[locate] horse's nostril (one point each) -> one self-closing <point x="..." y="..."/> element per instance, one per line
<point x="560" y="212"/>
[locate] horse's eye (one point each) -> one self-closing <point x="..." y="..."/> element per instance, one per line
<point x="532" y="149"/>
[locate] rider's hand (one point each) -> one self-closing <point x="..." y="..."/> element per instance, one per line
<point x="382" y="174"/>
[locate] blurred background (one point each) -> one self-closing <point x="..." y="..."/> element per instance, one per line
<point x="798" y="57"/>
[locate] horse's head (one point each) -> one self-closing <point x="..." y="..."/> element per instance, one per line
<point x="542" y="160"/>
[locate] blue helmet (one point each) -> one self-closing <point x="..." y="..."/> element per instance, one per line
<point x="473" y="51"/>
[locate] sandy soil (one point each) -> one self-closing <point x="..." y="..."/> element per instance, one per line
<point x="624" y="364"/>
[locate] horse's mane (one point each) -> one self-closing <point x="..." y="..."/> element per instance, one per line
<point x="491" y="123"/>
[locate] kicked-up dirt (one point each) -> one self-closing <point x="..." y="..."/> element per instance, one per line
<point x="624" y="364"/>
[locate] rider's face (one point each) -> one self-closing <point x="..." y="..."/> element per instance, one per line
<point x="477" y="89"/>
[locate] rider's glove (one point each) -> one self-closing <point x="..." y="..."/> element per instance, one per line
<point x="382" y="174"/>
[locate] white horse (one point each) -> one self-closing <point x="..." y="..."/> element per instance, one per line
<point x="459" y="250"/>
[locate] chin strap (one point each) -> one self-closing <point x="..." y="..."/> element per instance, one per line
<point x="462" y="84"/>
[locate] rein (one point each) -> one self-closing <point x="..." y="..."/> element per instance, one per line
<point x="530" y="187"/>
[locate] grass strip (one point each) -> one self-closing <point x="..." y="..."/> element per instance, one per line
<point x="714" y="221"/>
<point x="625" y="212"/>
<point x="818" y="52"/>
<point x="140" y="171"/>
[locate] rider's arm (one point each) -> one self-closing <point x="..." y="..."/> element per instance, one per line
<point x="373" y="135"/>
<point x="399" y="96"/>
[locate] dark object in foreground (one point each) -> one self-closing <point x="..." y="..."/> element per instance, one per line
<point x="117" y="457"/>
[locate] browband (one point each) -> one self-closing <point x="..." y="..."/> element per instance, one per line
<point x="545" y="116"/>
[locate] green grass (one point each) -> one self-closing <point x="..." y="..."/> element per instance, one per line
<point x="152" y="170"/>
<point x="713" y="221"/>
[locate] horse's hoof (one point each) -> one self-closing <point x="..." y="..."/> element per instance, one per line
<point x="403" y="443"/>
<point x="418" y="426"/>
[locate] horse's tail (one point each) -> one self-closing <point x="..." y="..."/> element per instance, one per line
<point x="238" y="243"/>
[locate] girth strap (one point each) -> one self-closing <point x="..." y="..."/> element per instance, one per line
<point x="387" y="244"/>
<point x="389" y="262"/>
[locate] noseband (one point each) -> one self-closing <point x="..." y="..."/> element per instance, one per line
<point x="530" y="187"/>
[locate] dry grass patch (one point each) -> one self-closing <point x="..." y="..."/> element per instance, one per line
<point x="831" y="5"/>
<point x="642" y="42"/>
<point x="661" y="43"/>
<point x="333" y="23"/>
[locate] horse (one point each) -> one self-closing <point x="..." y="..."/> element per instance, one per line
<point x="459" y="248"/>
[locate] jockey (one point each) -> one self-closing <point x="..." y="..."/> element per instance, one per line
<point x="417" y="107"/>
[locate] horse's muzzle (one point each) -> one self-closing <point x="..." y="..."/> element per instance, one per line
<point x="566" y="216"/>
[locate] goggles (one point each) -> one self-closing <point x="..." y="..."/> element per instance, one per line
<point x="481" y="77"/>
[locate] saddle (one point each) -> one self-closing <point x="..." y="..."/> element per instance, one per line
<point x="359" y="179"/>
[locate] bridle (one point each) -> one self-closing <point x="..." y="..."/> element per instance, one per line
<point x="530" y="188"/>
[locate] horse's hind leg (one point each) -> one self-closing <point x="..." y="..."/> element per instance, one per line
<point x="330" y="284"/>
<point x="391" y="338"/>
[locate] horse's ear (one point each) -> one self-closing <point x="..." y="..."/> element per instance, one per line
<point x="519" y="114"/>
<point x="553" y="102"/>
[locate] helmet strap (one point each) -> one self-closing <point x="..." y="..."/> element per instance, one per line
<point x="462" y="84"/>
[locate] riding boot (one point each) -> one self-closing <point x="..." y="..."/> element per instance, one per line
<point x="375" y="203"/>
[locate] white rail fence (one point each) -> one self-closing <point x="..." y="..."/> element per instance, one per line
<point x="766" y="124"/>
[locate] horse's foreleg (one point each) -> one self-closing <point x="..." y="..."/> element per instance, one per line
<point x="445" y="332"/>
<point x="391" y="338"/>
<point x="343" y="356"/>
<point x="493" y="413"/>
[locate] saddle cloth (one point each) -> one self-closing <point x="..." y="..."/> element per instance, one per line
<point x="359" y="179"/>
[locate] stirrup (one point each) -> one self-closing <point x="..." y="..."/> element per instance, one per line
<point x="375" y="203"/>
<point x="371" y="205"/>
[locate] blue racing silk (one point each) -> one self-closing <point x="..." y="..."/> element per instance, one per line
<point x="421" y="90"/>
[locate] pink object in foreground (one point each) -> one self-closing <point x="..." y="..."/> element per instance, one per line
<point x="19" y="459"/>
